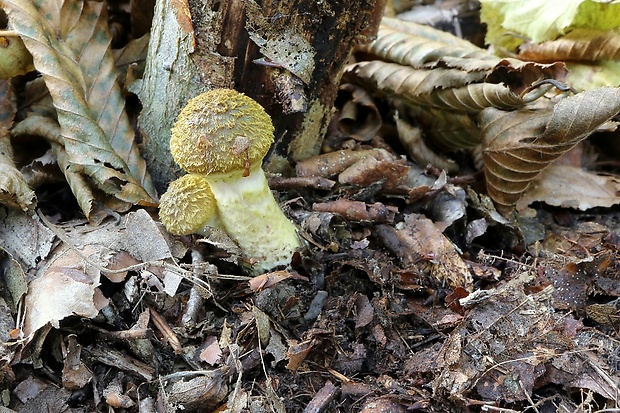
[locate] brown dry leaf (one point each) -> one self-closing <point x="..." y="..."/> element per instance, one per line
<point x="358" y="210"/>
<point x="426" y="32"/>
<point x="397" y="79"/>
<point x="408" y="48"/>
<point x="580" y="44"/>
<point x="365" y="312"/>
<point x="333" y="163"/>
<point x="448" y="131"/>
<point x="571" y="187"/>
<point x="270" y="279"/>
<point x="75" y="374"/>
<point x="70" y="47"/>
<point x="417" y="148"/>
<point x="63" y="289"/>
<point x="358" y="118"/>
<point x="441" y="88"/>
<point x="391" y="176"/>
<point x="297" y="353"/>
<point x="419" y="242"/>
<point x="518" y="145"/>
<point x="211" y="351"/>
<point x="417" y="46"/>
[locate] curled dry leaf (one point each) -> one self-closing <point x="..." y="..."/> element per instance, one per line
<point x="333" y="163"/>
<point x="518" y="145"/>
<point x="426" y="32"/>
<point x="358" y="118"/>
<point x="408" y="82"/>
<point x="418" y="242"/>
<point x="14" y="191"/>
<point x="392" y="176"/>
<point x="448" y="131"/>
<point x="417" y="149"/>
<point x="417" y="46"/>
<point x="447" y="89"/>
<point x="580" y="44"/>
<point x="413" y="50"/>
<point x="358" y="211"/>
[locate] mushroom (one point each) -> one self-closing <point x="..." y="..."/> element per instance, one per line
<point x="188" y="206"/>
<point x="223" y="135"/>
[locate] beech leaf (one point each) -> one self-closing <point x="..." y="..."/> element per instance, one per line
<point x="581" y="44"/>
<point x="440" y="88"/>
<point x="70" y="47"/>
<point x="571" y="187"/>
<point x="518" y="145"/>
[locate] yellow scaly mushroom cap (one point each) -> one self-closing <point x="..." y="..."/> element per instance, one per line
<point x="188" y="205"/>
<point x="220" y="131"/>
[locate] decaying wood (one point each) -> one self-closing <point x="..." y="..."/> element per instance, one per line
<point x="288" y="55"/>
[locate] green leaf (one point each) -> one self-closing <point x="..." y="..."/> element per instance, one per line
<point x="541" y="20"/>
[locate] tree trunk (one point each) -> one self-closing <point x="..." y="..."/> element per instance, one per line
<point x="287" y="54"/>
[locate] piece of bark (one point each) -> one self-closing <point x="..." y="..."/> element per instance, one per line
<point x="321" y="400"/>
<point x="358" y="211"/>
<point x="171" y="78"/>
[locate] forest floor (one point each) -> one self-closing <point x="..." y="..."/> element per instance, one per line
<point x="411" y="294"/>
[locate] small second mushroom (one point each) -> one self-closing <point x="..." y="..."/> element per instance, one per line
<point x="224" y="135"/>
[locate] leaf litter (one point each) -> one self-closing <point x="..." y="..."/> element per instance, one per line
<point x="413" y="294"/>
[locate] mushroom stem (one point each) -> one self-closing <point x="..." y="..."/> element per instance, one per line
<point x="251" y="216"/>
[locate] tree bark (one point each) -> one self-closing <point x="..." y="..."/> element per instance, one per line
<point x="287" y="54"/>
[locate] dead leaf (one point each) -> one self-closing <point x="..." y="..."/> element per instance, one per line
<point x="75" y="374"/>
<point x="518" y="145"/>
<point x="418" y="150"/>
<point x="588" y="45"/>
<point x="390" y="175"/>
<point x="333" y="163"/>
<point x="16" y="59"/>
<point x="79" y="84"/>
<point x="358" y="118"/>
<point x="211" y="352"/>
<point x="58" y="293"/>
<point x="357" y="210"/>
<point x="297" y="353"/>
<point x="204" y="392"/>
<point x="14" y="191"/>
<point x="365" y="311"/>
<point x="571" y="187"/>
<point x="16" y="232"/>
<point x="418" y="242"/>
<point x="270" y="279"/>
